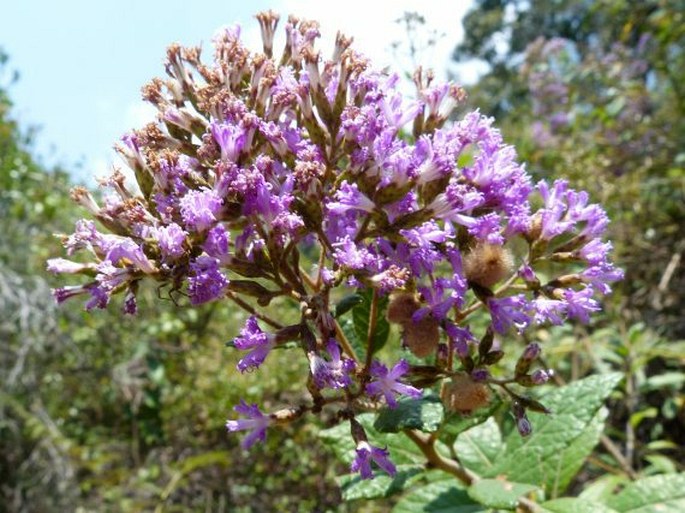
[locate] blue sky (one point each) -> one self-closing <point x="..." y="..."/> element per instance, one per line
<point x="82" y="63"/>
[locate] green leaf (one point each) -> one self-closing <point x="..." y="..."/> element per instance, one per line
<point x="656" y="494"/>
<point x="672" y="380"/>
<point x="347" y="303"/>
<point x="561" y="441"/>
<point x="439" y="497"/>
<point x="424" y="414"/>
<point x="496" y="493"/>
<point x="660" y="464"/>
<point x="361" y="315"/>
<point x="353" y="487"/>
<point x="602" y="488"/>
<point x="574" y="505"/>
<point x="457" y="423"/>
<point x="479" y="447"/>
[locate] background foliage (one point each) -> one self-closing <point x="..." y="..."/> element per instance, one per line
<point x="104" y="413"/>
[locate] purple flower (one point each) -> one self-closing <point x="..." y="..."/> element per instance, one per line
<point x="272" y="205"/>
<point x="432" y="157"/>
<point x="64" y="266"/>
<point x="253" y="339"/>
<point x="392" y="278"/>
<point x="599" y="276"/>
<point x="365" y="454"/>
<point x="441" y="99"/>
<point x="171" y="239"/>
<point x="85" y="236"/>
<point x="594" y="252"/>
<point x="355" y="256"/>
<point x="130" y="151"/>
<point x="334" y="373"/>
<point x="110" y="277"/>
<point x="460" y="338"/>
<point x="487" y="228"/>
<point x="553" y="221"/>
<point x="456" y="203"/>
<point x="438" y="305"/>
<point x="548" y="310"/>
<point x="386" y="382"/>
<point x="230" y="138"/>
<point x="217" y="243"/>
<point x="593" y="216"/>
<point x="206" y="282"/>
<point x="256" y="421"/>
<point x="348" y="197"/>
<point x="200" y="209"/>
<point x="509" y="311"/>
<point x="99" y="297"/>
<point x="580" y="304"/>
<point x="130" y="303"/>
<point x="129" y="251"/>
<point x="425" y="235"/>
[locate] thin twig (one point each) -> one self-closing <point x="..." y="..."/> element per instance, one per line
<point x="344" y="342"/>
<point x="427" y="447"/>
<point x="248" y="308"/>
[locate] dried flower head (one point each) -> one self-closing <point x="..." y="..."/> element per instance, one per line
<point x="462" y="394"/>
<point x="487" y="264"/>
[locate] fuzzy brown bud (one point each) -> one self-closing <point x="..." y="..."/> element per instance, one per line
<point x="401" y="307"/>
<point x="421" y="337"/>
<point x="486" y="264"/>
<point x="462" y="394"/>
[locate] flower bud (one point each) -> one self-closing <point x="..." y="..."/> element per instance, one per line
<point x="486" y="342"/>
<point x="401" y="307"/>
<point x="480" y="375"/>
<point x="442" y="355"/>
<point x="462" y="394"/>
<point x="486" y="264"/>
<point x="529" y="355"/>
<point x="524" y="426"/>
<point x="286" y="415"/>
<point x="541" y="376"/>
<point x="492" y="358"/>
<point x="421" y="337"/>
<point x="531" y="352"/>
<point x="357" y="431"/>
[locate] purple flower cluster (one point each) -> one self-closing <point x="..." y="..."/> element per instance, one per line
<point x="256" y="159"/>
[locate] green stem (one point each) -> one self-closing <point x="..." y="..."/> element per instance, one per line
<point x="373" y="314"/>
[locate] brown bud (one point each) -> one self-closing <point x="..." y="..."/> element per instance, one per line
<point x="535" y="228"/>
<point x="463" y="395"/>
<point x="401" y="307"/>
<point x="286" y="415"/>
<point x="486" y="264"/>
<point x="422" y="337"/>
